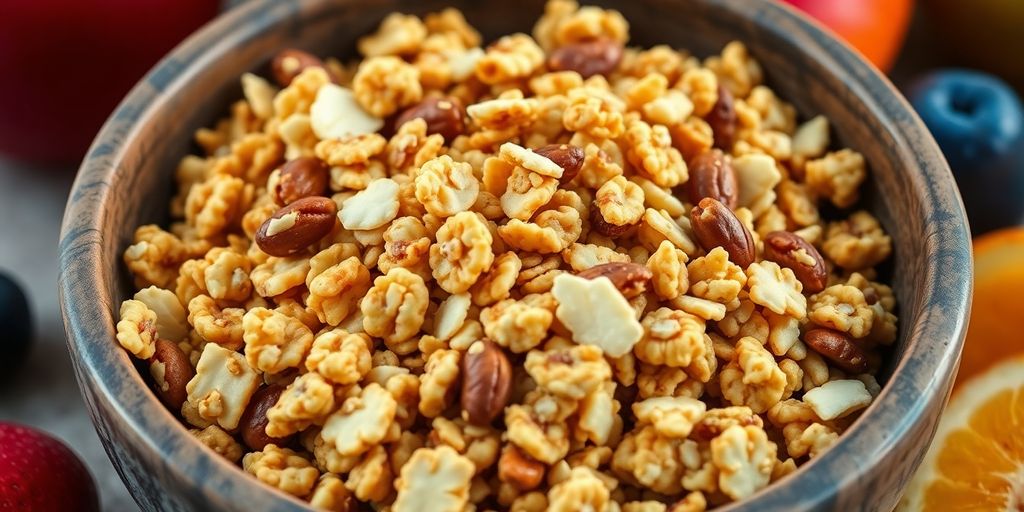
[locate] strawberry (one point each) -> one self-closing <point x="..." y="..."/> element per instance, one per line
<point x="40" y="473"/>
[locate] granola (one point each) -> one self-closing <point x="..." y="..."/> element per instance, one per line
<point x="513" y="308"/>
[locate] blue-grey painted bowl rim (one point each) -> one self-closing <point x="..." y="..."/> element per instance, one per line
<point x="104" y="367"/>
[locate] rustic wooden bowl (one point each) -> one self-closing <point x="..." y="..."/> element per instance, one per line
<point x="126" y="179"/>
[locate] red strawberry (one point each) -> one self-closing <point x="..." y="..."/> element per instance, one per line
<point x="39" y="473"/>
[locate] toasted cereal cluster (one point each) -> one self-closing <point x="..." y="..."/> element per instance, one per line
<point x="574" y="275"/>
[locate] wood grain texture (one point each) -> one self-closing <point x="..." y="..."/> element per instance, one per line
<point x="126" y="180"/>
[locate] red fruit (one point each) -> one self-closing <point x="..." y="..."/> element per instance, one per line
<point x="39" y="473"/>
<point x="67" y="63"/>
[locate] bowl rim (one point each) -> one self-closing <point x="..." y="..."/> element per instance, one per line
<point x="105" y="372"/>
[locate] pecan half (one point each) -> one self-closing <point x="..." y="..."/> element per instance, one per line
<point x="289" y="63"/>
<point x="630" y="278"/>
<point x="790" y="251"/>
<point x="568" y="157"/>
<point x="715" y="225"/>
<point x="486" y="381"/>
<point x="588" y="58"/>
<point x="838" y="348"/>
<point x="712" y="175"/>
<point x="302" y="177"/>
<point x="297" y="226"/>
<point x="171" y="372"/>
<point x="722" y="119"/>
<point x="442" y="115"/>
<point x="519" y="470"/>
<point x="253" y="424"/>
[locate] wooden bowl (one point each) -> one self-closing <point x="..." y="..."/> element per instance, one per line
<point x="126" y="180"/>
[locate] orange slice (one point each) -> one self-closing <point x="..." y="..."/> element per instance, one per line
<point x="976" y="462"/>
<point x="994" y="332"/>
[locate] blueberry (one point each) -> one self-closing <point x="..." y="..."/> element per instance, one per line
<point x="15" y="326"/>
<point x="978" y="122"/>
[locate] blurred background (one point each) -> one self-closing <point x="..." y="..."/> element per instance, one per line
<point x="67" y="63"/>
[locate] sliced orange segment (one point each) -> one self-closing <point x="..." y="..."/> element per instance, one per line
<point x="976" y="462"/>
<point x="994" y="332"/>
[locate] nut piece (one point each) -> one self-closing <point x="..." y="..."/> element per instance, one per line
<point x="486" y="380"/>
<point x="517" y="469"/>
<point x="630" y="278"/>
<point x="838" y="398"/>
<point x="443" y="115"/>
<point x="372" y="207"/>
<point x="715" y="225"/>
<point x="297" y="226"/>
<point x="290" y="62"/>
<point x="254" y="420"/>
<point x="798" y="255"/>
<point x="303" y="177"/>
<point x="335" y="114"/>
<point x="517" y="155"/>
<point x="712" y="175"/>
<point x="223" y="385"/>
<point x="722" y="119"/>
<point x="596" y="314"/>
<point x="171" y="372"/>
<point x="568" y="157"/>
<point x="839" y="348"/>
<point x="588" y="58"/>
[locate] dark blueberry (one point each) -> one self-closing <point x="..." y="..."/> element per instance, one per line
<point x="978" y="121"/>
<point x="15" y="326"/>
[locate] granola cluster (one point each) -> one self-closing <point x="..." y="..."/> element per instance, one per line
<point x="555" y="272"/>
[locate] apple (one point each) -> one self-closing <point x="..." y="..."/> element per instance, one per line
<point x="15" y="324"/>
<point x="978" y="122"/>
<point x="67" y="63"/>
<point x="875" y="27"/>
<point x="38" y="473"/>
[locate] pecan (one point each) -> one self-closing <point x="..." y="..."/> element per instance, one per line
<point x="486" y="381"/>
<point x="289" y="63"/>
<point x="784" y="248"/>
<point x="604" y="227"/>
<point x="171" y="372"/>
<point x="253" y="424"/>
<point x="568" y="157"/>
<point x="837" y="347"/>
<point x="519" y="470"/>
<point x="442" y="115"/>
<point x="303" y="177"/>
<point x="722" y="119"/>
<point x="297" y="226"/>
<point x="712" y="175"/>
<point x="588" y="58"/>
<point x="715" y="225"/>
<point x="630" y="278"/>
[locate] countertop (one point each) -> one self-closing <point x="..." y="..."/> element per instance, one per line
<point x="43" y="393"/>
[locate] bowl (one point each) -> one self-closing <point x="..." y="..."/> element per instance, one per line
<point x="125" y="180"/>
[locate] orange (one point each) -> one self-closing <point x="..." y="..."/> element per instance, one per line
<point x="976" y="462"/>
<point x="875" y="27"/>
<point x="994" y="332"/>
